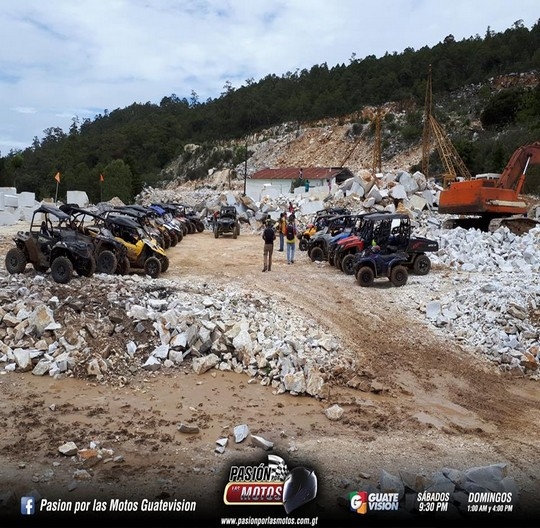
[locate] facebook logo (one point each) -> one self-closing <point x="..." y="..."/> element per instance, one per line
<point x="28" y="505"/>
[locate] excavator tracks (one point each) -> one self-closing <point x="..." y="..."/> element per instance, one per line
<point x="516" y="224"/>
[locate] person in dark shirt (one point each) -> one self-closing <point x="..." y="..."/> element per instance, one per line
<point x="268" y="235"/>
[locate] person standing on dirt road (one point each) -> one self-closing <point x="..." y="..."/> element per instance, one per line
<point x="269" y="235"/>
<point x="290" y="239"/>
<point x="282" y="228"/>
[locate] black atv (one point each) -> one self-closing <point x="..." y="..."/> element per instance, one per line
<point x="320" y="243"/>
<point x="227" y="222"/>
<point x="110" y="254"/>
<point x="52" y="244"/>
<point x="372" y="264"/>
<point x="186" y="214"/>
<point x="319" y="222"/>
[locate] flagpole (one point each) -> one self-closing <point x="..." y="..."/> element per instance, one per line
<point x="57" y="178"/>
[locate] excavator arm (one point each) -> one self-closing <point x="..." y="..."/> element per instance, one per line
<point x="514" y="174"/>
<point x="486" y="204"/>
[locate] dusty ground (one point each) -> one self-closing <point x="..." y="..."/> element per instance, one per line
<point x="441" y="406"/>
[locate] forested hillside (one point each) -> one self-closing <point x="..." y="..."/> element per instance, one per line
<point x="485" y="92"/>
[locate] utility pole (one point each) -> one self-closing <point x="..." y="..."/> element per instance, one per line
<point x="377" y="160"/>
<point x="426" y="140"/>
<point x="245" y="167"/>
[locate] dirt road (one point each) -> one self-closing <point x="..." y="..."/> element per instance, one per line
<point x="436" y="405"/>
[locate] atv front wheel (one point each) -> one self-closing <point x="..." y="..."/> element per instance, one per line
<point x="332" y="258"/>
<point x="164" y="261"/>
<point x="399" y="275"/>
<point x="302" y="245"/>
<point x="15" y="260"/>
<point x="316" y="253"/>
<point x="107" y="262"/>
<point x="422" y="265"/>
<point x="365" y="276"/>
<point x="61" y="270"/>
<point x="347" y="264"/>
<point x="152" y="267"/>
<point x="123" y="267"/>
<point x="166" y="240"/>
<point x="87" y="268"/>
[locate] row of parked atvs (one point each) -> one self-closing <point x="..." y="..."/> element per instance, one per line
<point x="70" y="239"/>
<point x="368" y="245"/>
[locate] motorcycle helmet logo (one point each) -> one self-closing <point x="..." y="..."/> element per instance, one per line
<point x="300" y="487"/>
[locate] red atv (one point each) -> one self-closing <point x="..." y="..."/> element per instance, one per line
<point x="345" y="251"/>
<point x="392" y="233"/>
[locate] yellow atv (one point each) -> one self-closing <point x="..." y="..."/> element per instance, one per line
<point x="304" y="237"/>
<point x="142" y="251"/>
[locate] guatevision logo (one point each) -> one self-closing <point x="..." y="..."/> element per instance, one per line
<point x="360" y="501"/>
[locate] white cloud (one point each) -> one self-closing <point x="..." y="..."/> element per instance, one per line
<point x="25" y="110"/>
<point x="62" y="59"/>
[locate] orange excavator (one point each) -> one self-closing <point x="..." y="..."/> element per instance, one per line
<point x="486" y="204"/>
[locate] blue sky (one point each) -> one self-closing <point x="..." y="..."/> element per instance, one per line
<point x="61" y="59"/>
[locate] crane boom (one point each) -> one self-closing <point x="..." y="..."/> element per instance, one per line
<point x="453" y="164"/>
<point x="449" y="155"/>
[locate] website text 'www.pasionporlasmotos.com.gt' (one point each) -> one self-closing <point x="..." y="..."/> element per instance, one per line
<point x="269" y="521"/>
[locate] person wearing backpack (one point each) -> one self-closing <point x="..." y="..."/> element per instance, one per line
<point x="269" y="235"/>
<point x="290" y="239"/>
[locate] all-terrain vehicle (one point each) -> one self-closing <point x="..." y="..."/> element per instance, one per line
<point x="392" y="232"/>
<point x="319" y="222"/>
<point x="373" y="264"/>
<point x="142" y="252"/>
<point x="358" y="239"/>
<point x="146" y="218"/>
<point x="227" y="222"/>
<point x="305" y="235"/>
<point x="164" y="219"/>
<point x="52" y="244"/>
<point x="110" y="254"/>
<point x="320" y="243"/>
<point x="182" y="212"/>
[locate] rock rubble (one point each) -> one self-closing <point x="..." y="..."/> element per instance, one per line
<point x="135" y="323"/>
<point x="494" y="306"/>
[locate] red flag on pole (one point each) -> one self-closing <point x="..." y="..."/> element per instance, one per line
<point x="57" y="177"/>
<point x="101" y="178"/>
